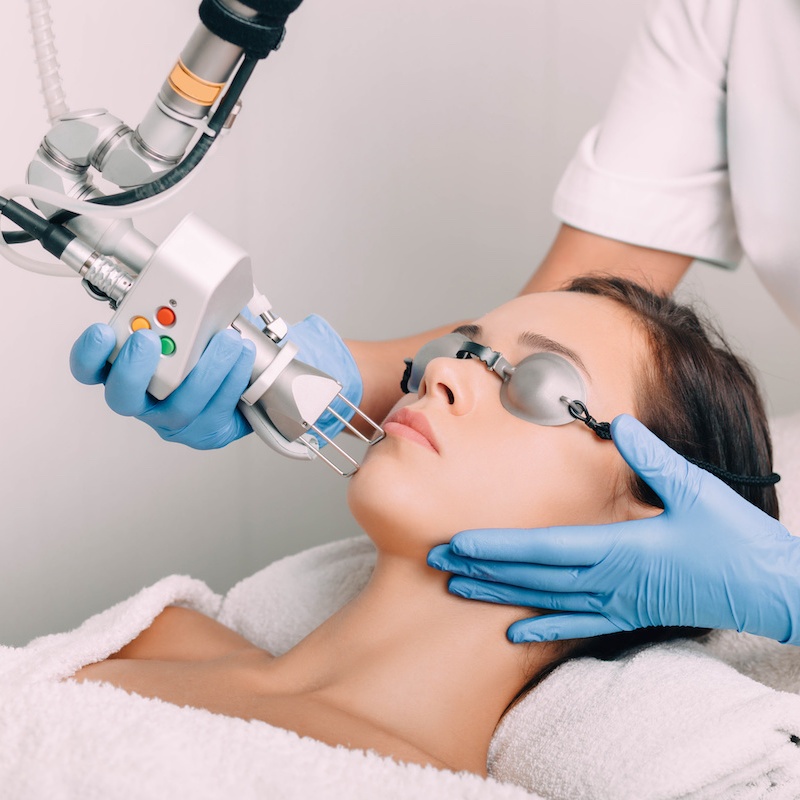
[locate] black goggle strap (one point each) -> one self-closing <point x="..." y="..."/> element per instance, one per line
<point x="409" y="362"/>
<point x="494" y="361"/>
<point x="578" y="410"/>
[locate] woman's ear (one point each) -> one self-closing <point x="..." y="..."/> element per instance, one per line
<point x="626" y="505"/>
<point x="643" y="510"/>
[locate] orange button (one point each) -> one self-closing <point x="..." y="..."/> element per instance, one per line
<point x="140" y="324"/>
<point x="165" y="316"/>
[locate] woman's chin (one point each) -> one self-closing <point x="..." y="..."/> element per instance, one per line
<point x="393" y="514"/>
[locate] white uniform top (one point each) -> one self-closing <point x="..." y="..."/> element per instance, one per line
<point x="699" y="152"/>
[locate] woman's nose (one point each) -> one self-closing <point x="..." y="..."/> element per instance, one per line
<point x="454" y="381"/>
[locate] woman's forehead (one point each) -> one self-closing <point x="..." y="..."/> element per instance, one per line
<point x="581" y="317"/>
<point x="601" y="331"/>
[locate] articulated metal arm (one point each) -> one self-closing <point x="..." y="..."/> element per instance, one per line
<point x="196" y="282"/>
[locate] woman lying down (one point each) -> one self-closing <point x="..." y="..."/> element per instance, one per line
<point x="406" y="669"/>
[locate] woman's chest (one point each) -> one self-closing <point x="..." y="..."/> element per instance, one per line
<point x="240" y="686"/>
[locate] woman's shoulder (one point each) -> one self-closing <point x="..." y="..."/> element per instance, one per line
<point x="183" y="634"/>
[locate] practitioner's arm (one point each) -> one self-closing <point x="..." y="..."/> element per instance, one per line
<point x="575" y="252"/>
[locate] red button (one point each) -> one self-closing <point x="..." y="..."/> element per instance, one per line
<point x="165" y="316"/>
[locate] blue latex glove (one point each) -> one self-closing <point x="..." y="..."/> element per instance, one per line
<point x="202" y="411"/>
<point x="323" y="348"/>
<point x="710" y="560"/>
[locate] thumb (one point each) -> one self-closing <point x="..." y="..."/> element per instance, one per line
<point x="553" y="627"/>
<point x="89" y="354"/>
<point x="666" y="472"/>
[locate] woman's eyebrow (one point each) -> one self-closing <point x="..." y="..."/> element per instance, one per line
<point x="537" y="341"/>
<point x="470" y="331"/>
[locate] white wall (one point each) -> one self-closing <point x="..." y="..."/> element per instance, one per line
<point x="392" y="170"/>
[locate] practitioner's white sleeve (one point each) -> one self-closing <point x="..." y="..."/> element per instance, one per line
<point x="654" y="173"/>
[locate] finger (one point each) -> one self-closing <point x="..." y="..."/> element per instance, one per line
<point x="88" y="359"/>
<point x="131" y="372"/>
<point x="236" y="381"/>
<point x="526" y="576"/>
<point x="558" y="627"/>
<point x="666" y="472"/>
<point x="573" y="545"/>
<point x="185" y="404"/>
<point x="321" y="347"/>
<point x="220" y="422"/>
<point x="443" y="558"/>
<point x="501" y="593"/>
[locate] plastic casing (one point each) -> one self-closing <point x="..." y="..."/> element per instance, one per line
<point x="204" y="278"/>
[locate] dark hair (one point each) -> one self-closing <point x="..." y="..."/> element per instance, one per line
<point x="698" y="397"/>
<point x="694" y="393"/>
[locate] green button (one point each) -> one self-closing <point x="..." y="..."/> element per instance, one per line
<point x="167" y="346"/>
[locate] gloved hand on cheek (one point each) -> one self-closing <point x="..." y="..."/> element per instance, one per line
<point x="710" y="560"/>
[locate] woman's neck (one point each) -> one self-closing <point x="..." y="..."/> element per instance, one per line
<point x="420" y="664"/>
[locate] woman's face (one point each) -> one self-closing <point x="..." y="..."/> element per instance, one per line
<point x="477" y="465"/>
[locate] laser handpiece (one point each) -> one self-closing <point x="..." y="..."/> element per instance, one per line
<point x="196" y="282"/>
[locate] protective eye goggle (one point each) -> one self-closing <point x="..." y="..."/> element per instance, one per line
<point x="544" y="388"/>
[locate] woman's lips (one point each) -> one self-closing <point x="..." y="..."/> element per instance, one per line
<point x="411" y="425"/>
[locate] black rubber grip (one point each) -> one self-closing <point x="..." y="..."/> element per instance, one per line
<point x="273" y="10"/>
<point x="53" y="238"/>
<point x="258" y="36"/>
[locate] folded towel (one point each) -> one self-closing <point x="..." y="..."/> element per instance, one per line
<point x="669" y="721"/>
<point x="63" y="739"/>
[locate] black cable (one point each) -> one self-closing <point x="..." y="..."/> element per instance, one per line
<point x="53" y="238"/>
<point x="578" y="411"/>
<point x="178" y="172"/>
<point x="732" y="477"/>
<point x="17" y="237"/>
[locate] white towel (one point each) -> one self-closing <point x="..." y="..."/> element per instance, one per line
<point x="670" y="721"/>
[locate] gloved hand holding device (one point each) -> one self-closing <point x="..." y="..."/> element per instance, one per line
<point x="202" y="412"/>
<point x="711" y="559"/>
